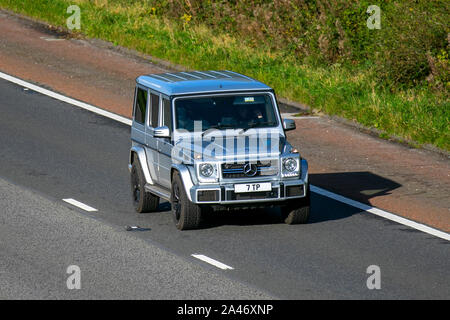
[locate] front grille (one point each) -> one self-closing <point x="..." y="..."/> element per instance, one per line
<point x="208" y="195"/>
<point x="236" y="170"/>
<point x="294" y="191"/>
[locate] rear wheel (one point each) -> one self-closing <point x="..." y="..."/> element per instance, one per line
<point x="143" y="201"/>
<point x="186" y="215"/>
<point x="297" y="211"/>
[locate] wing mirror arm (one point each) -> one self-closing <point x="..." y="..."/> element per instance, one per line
<point x="161" y="132"/>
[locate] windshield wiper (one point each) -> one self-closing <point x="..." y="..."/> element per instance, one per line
<point x="258" y="124"/>
<point x="219" y="127"/>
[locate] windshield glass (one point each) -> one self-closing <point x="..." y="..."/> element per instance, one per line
<point x="223" y="112"/>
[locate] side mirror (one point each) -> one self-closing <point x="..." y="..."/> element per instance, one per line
<point x="288" y="124"/>
<point x="161" y="132"/>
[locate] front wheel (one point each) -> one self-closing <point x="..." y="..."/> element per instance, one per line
<point x="297" y="211"/>
<point x="186" y="215"/>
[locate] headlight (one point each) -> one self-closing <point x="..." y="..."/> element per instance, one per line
<point x="290" y="164"/>
<point x="206" y="170"/>
<point x="290" y="167"/>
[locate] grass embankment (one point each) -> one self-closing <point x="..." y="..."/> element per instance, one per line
<point x="322" y="53"/>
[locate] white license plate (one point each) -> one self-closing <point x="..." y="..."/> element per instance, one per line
<point x="252" y="187"/>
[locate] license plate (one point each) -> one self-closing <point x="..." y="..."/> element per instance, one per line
<point x="252" y="187"/>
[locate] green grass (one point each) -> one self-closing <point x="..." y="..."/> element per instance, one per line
<point x="417" y="113"/>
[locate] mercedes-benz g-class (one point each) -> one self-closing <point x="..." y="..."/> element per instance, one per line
<point x="212" y="140"/>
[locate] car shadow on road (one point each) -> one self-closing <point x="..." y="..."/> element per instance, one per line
<point x="360" y="186"/>
<point x="164" y="206"/>
<point x="242" y="217"/>
<point x="237" y="217"/>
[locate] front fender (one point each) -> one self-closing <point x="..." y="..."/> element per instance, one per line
<point x="185" y="177"/>
<point x="304" y="170"/>
<point x="142" y="158"/>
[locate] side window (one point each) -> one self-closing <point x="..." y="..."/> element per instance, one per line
<point x="167" y="114"/>
<point x="155" y="109"/>
<point x="141" y="105"/>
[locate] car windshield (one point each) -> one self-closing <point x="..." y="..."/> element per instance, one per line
<point x="224" y="112"/>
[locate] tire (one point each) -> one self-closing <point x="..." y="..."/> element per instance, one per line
<point x="297" y="211"/>
<point x="186" y="214"/>
<point x="143" y="201"/>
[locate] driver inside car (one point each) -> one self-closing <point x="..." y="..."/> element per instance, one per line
<point x="247" y="115"/>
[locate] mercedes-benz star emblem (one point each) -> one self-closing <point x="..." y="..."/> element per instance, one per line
<point x="250" y="170"/>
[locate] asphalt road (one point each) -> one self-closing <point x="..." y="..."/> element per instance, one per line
<point x="56" y="151"/>
<point x="42" y="238"/>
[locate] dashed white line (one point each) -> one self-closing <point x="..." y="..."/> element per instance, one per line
<point x="80" y="205"/>
<point x="359" y="205"/>
<point x="213" y="262"/>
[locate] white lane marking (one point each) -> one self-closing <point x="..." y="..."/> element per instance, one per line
<point x="359" y="205"/>
<point x="80" y="205"/>
<point x="52" y="39"/>
<point x="382" y="213"/>
<point x="293" y="116"/>
<point x="60" y="97"/>
<point x="215" y="263"/>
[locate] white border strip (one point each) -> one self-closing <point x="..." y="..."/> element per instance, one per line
<point x="356" y="204"/>
<point x="382" y="213"/>
<point x="215" y="263"/>
<point x="293" y="116"/>
<point x="80" y="205"/>
<point x="65" y="99"/>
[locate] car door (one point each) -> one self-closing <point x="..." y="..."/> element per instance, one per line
<point x="151" y="144"/>
<point x="165" y="145"/>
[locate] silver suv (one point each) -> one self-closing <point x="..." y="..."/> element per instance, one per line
<point x="213" y="140"/>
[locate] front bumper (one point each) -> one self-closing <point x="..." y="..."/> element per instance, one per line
<point x="224" y="194"/>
